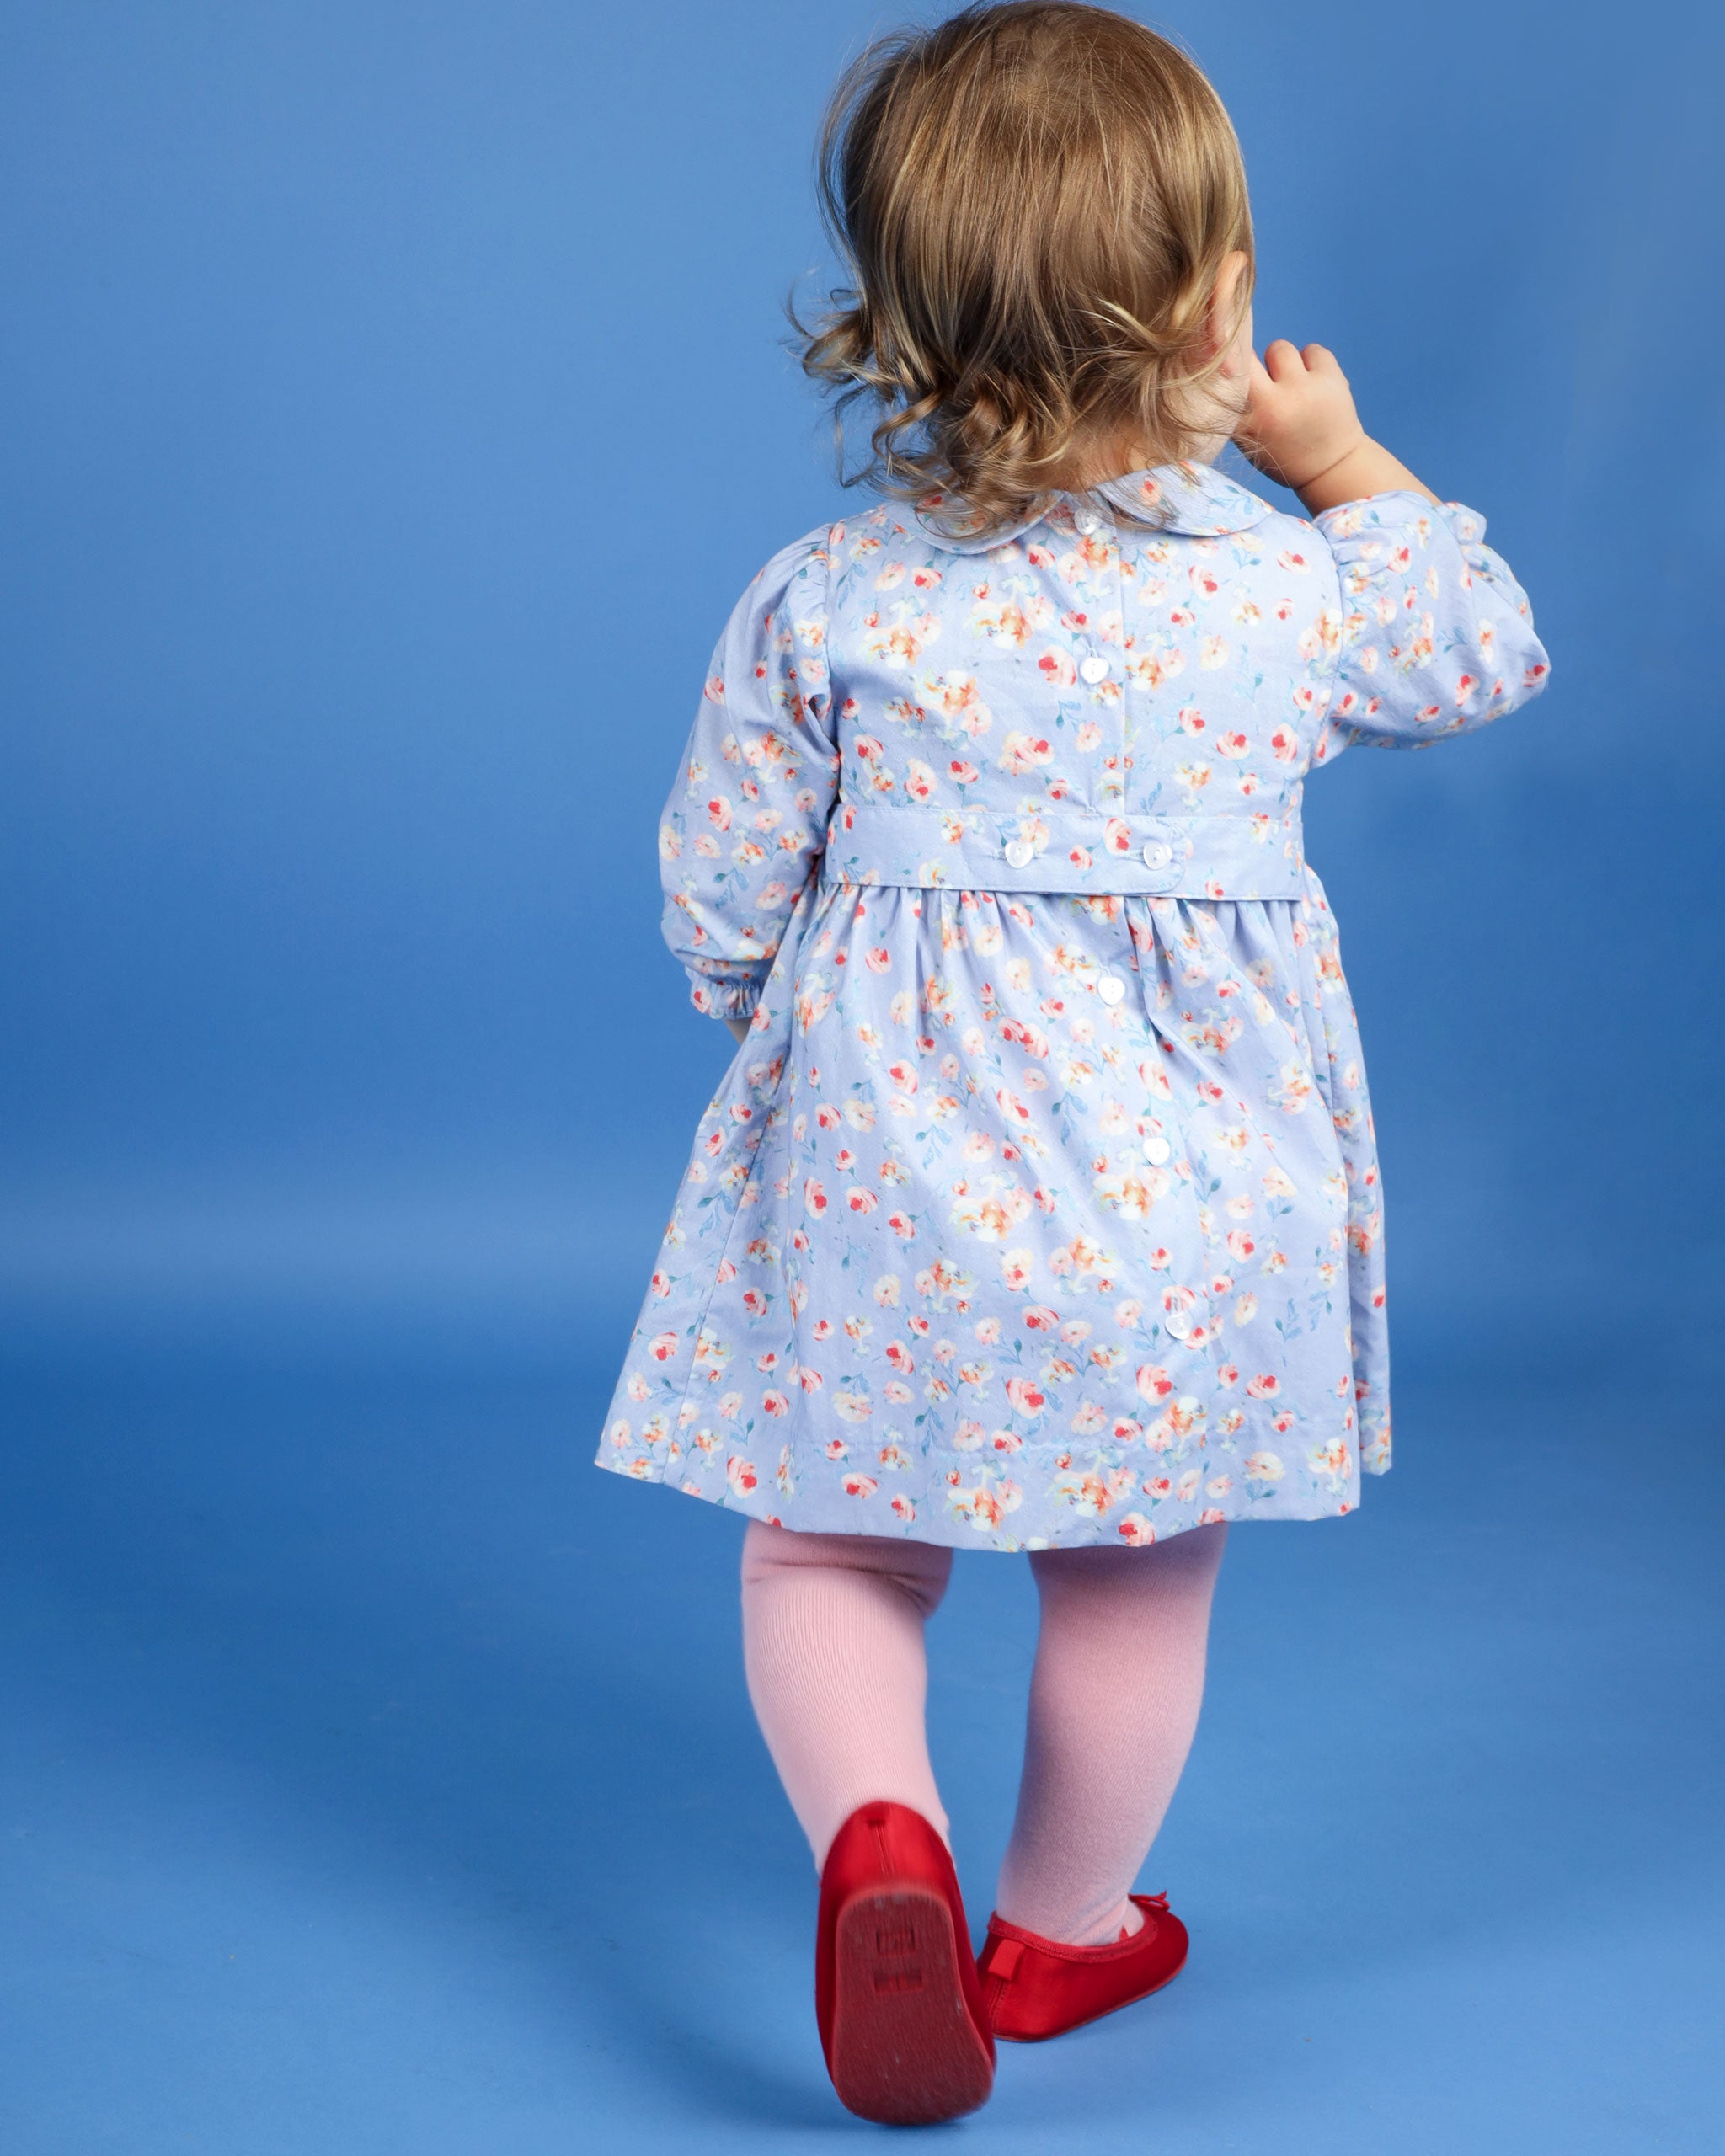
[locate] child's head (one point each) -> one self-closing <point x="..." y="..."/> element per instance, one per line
<point x="1045" y="210"/>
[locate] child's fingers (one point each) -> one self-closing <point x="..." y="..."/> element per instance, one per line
<point x="1256" y="417"/>
<point x="1282" y="359"/>
<point x="1260" y="391"/>
<point x="1321" y="359"/>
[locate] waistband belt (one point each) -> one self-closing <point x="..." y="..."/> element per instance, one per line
<point x="1067" y="848"/>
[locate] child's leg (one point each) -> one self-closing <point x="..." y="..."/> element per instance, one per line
<point x="1114" y="1703"/>
<point x="832" y="1642"/>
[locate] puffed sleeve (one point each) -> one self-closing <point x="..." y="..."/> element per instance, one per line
<point x="744" y="827"/>
<point x="1435" y="636"/>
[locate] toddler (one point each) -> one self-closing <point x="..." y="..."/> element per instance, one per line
<point x="1038" y="1212"/>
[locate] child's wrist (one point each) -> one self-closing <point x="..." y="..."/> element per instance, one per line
<point x="1328" y="464"/>
<point x="1366" y="468"/>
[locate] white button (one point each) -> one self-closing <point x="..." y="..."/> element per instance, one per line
<point x="1157" y="855"/>
<point x="1021" y="853"/>
<point x="1176" y="1324"/>
<point x="1156" y="1150"/>
<point x="1088" y="525"/>
<point x="1111" y="988"/>
<point x="1094" y="668"/>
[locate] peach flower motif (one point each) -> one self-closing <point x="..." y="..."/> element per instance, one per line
<point x="920" y="780"/>
<point x="1022" y="752"/>
<point x="1331" y="1459"/>
<point x="1016" y="1270"/>
<point x="988" y="1508"/>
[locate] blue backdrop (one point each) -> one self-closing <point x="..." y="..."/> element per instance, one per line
<point x="348" y="351"/>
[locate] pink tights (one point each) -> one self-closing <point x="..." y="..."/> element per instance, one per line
<point x="832" y="1640"/>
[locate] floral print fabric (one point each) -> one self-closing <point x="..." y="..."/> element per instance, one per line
<point x="1041" y="1205"/>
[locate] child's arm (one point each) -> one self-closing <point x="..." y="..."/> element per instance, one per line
<point x="1434" y="636"/>
<point x="1300" y="427"/>
<point x="742" y="833"/>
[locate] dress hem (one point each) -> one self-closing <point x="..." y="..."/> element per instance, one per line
<point x="1347" y="1501"/>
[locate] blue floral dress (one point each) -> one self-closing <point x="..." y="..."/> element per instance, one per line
<point x="1041" y="1204"/>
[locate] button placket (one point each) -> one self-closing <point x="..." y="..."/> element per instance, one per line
<point x="1097" y="670"/>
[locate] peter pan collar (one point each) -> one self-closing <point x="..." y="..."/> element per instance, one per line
<point x="1195" y="500"/>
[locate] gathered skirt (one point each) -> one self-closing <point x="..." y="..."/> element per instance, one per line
<point x="1021" y="1222"/>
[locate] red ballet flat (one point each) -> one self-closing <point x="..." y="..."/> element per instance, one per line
<point x="1038" y="1988"/>
<point x="902" y="2021"/>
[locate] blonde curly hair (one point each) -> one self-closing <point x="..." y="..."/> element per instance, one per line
<point x="1034" y="201"/>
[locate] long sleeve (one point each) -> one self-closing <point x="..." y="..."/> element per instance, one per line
<point x="744" y="827"/>
<point x="1435" y="636"/>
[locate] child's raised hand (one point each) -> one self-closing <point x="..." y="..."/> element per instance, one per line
<point x="1300" y="427"/>
<point x="1300" y="418"/>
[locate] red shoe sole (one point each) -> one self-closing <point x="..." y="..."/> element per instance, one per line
<point x="905" y="2050"/>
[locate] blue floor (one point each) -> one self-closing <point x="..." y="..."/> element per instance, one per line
<point x="376" y="1778"/>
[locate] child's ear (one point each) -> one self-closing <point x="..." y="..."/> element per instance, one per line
<point x="1223" y="316"/>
